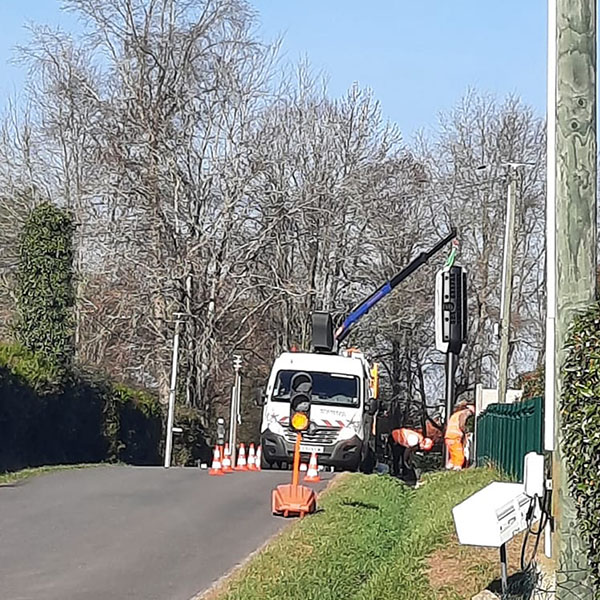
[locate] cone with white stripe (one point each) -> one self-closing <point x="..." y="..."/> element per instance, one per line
<point x="312" y="475"/>
<point x="242" y="465"/>
<point x="227" y="460"/>
<point x="259" y="459"/>
<point x="216" y="467"/>
<point x="252" y="459"/>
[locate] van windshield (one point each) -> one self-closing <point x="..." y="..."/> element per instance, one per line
<point x="328" y="388"/>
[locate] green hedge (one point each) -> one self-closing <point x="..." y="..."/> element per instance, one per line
<point x="580" y="415"/>
<point x="85" y="420"/>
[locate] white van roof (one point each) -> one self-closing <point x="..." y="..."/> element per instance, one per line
<point x="321" y="363"/>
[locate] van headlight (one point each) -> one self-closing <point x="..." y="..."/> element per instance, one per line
<point x="349" y="431"/>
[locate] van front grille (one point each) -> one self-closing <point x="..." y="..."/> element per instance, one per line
<point x="323" y="436"/>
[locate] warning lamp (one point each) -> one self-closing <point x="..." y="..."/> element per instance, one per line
<point x="300" y="421"/>
<point x="300" y="399"/>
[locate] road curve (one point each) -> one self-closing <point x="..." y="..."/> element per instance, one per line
<point x="130" y="533"/>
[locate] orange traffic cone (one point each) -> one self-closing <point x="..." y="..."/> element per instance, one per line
<point x="227" y="460"/>
<point x="241" y="464"/>
<point x="215" y="468"/>
<point x="251" y="459"/>
<point x="259" y="459"/>
<point x="312" y="475"/>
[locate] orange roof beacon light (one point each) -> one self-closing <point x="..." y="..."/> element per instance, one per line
<point x="297" y="499"/>
<point x="375" y="381"/>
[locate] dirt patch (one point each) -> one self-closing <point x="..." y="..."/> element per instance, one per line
<point x="457" y="571"/>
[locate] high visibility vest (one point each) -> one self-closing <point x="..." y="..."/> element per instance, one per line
<point x="455" y="427"/>
<point x="408" y="438"/>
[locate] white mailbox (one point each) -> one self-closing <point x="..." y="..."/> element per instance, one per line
<point x="492" y="516"/>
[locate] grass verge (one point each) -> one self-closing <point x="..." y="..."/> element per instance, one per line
<point x="8" y="478"/>
<point x="370" y="541"/>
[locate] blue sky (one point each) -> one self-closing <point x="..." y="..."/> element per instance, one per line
<point x="419" y="56"/>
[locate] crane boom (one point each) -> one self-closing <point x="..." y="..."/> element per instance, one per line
<point x="380" y="293"/>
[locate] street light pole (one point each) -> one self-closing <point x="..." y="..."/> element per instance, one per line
<point x="234" y="414"/>
<point x="172" y="390"/>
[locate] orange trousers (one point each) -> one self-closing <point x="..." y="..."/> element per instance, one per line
<point x="456" y="453"/>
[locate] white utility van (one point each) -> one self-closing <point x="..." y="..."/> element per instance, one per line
<point x="342" y="410"/>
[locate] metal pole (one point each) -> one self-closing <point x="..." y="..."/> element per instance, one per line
<point x="296" y="465"/>
<point x="190" y="339"/>
<point x="504" y="569"/>
<point x="450" y="369"/>
<point x="232" y="426"/>
<point x="507" y="279"/>
<point x="234" y="414"/>
<point x="550" y="358"/>
<point x="550" y="231"/>
<point x="171" y="414"/>
<point x="238" y="388"/>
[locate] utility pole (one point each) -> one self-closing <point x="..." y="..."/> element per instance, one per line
<point x="507" y="281"/>
<point x="575" y="258"/>
<point x="172" y="390"/>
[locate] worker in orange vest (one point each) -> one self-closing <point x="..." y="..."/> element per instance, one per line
<point x="455" y="436"/>
<point x="408" y="441"/>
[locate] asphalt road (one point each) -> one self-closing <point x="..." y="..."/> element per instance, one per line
<point x="130" y="533"/>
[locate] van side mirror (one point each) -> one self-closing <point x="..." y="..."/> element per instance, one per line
<point x="260" y="398"/>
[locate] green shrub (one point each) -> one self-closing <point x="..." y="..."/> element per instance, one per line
<point x="532" y="384"/>
<point x="43" y="425"/>
<point x="133" y="426"/>
<point x="189" y="446"/>
<point x="45" y="292"/>
<point x="580" y="415"/>
<point x="32" y="368"/>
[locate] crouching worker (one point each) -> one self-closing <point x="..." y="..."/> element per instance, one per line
<point x="455" y="437"/>
<point x="406" y="443"/>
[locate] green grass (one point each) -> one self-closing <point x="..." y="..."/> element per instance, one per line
<point x="370" y="542"/>
<point x="13" y="477"/>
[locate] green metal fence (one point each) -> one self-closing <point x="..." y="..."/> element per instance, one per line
<point x="507" y="432"/>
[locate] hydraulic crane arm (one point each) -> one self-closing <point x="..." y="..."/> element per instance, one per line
<point x="364" y="307"/>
